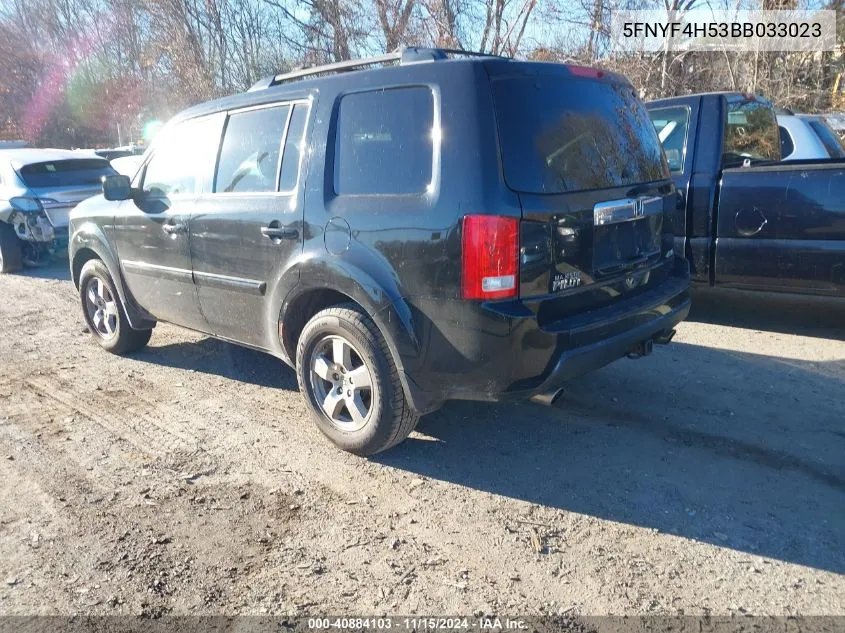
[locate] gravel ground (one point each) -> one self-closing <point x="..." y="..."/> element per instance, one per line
<point x="708" y="478"/>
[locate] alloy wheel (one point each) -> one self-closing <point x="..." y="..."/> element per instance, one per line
<point x="342" y="383"/>
<point x="101" y="307"/>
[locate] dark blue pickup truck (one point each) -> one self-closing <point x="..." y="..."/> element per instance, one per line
<point x="745" y="220"/>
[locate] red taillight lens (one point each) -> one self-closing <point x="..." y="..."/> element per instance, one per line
<point x="585" y="71"/>
<point x="490" y="257"/>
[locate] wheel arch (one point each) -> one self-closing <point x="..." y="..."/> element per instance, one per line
<point x="323" y="284"/>
<point x="87" y="243"/>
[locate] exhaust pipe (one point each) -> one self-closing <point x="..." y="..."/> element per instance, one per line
<point x="643" y="348"/>
<point x="548" y="398"/>
<point x="664" y="337"/>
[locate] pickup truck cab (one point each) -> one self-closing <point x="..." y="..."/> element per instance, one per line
<point x="744" y="219"/>
<point x="424" y="226"/>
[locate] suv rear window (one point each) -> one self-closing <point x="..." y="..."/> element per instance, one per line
<point x="561" y="135"/>
<point x="66" y="173"/>
<point x="385" y="142"/>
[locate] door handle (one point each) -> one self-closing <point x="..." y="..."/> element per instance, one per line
<point x="279" y="233"/>
<point x="174" y="229"/>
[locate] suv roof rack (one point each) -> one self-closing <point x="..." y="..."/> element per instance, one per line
<point x="403" y="56"/>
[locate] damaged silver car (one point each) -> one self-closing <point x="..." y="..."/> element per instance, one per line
<point x="38" y="189"/>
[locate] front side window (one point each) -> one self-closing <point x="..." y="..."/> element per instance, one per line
<point x="672" y="125"/>
<point x="249" y="157"/>
<point x="751" y="132"/>
<point x="385" y="142"/>
<point x="181" y="157"/>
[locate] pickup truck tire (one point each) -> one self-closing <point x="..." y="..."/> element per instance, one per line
<point x="350" y="382"/>
<point x="11" y="253"/>
<point x="104" y="313"/>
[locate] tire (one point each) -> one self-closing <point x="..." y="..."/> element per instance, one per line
<point x="384" y="418"/>
<point x="104" y="313"/>
<point x="11" y="253"/>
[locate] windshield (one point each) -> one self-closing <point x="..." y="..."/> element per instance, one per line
<point x="751" y="132"/>
<point x="65" y="173"/>
<point x="561" y="135"/>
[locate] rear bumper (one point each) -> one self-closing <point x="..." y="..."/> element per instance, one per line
<point x="492" y="357"/>
<point x="581" y="360"/>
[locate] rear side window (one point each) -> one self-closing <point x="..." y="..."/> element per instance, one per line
<point x="249" y="157"/>
<point x="672" y="125"/>
<point x="66" y="173"/>
<point x="384" y="142"/>
<point x="751" y="131"/>
<point x="786" y="144"/>
<point x="828" y="138"/>
<point x="561" y="135"/>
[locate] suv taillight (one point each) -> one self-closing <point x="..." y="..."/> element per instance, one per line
<point x="490" y="257"/>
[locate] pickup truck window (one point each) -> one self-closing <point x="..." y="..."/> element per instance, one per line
<point x="672" y="125"/>
<point x="751" y="131"/>
<point x="561" y="135"/>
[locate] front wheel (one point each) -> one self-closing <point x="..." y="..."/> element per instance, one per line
<point x="104" y="313"/>
<point x="351" y="383"/>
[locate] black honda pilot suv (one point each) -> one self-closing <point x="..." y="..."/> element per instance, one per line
<point x="403" y="230"/>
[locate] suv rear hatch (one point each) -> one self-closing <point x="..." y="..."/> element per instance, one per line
<point x="579" y="148"/>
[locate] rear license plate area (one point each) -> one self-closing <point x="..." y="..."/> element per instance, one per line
<point x="626" y="245"/>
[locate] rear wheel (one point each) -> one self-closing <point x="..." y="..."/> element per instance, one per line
<point x="104" y="312"/>
<point x="11" y="253"/>
<point x="350" y="382"/>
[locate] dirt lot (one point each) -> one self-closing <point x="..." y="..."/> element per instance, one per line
<point x="707" y="478"/>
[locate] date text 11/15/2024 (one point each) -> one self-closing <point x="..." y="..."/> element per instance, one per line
<point x="419" y="623"/>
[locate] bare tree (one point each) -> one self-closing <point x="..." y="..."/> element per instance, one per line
<point x="74" y="71"/>
<point x="394" y="17"/>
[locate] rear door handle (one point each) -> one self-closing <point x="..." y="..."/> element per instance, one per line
<point x="279" y="233"/>
<point x="174" y="229"/>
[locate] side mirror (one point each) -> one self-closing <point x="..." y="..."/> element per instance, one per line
<point x="117" y="187"/>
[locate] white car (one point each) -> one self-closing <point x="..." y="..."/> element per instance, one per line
<point x="38" y="189"/>
<point x="127" y="165"/>
<point x="808" y="136"/>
